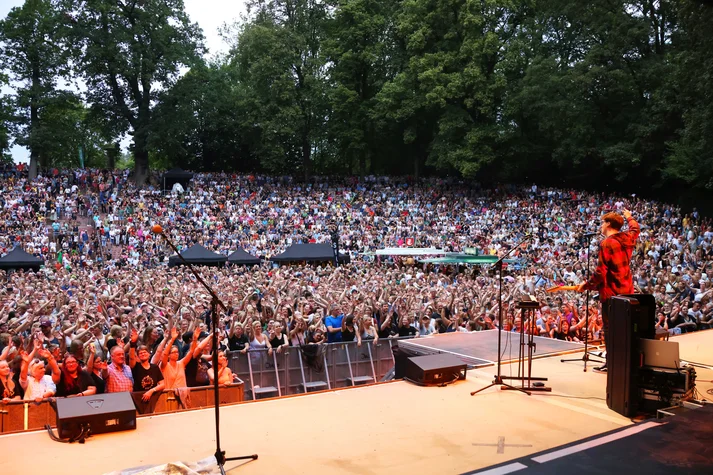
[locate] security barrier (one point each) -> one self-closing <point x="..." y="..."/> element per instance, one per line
<point x="298" y="370"/>
<point x="262" y="374"/>
<point x="16" y="416"/>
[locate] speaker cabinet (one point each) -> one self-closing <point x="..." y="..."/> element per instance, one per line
<point x="631" y="317"/>
<point x="103" y="413"/>
<point x="434" y="370"/>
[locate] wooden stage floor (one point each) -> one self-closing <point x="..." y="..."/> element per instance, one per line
<point x="393" y="427"/>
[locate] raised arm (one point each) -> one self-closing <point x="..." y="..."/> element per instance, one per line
<point x="132" y="347"/>
<point x="167" y="343"/>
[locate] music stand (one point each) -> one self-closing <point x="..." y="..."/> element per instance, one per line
<point x="524" y="370"/>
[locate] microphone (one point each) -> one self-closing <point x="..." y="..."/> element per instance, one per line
<point x="157" y="229"/>
<point x="586" y="235"/>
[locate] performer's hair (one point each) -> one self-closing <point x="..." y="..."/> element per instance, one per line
<point x="614" y="220"/>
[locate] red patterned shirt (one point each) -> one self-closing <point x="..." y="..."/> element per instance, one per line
<point x="613" y="273"/>
<point x="119" y="379"/>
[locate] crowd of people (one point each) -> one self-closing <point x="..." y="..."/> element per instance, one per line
<point x="107" y="314"/>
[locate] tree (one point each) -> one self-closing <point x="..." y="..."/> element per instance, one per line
<point x="5" y="123"/>
<point x="72" y="128"/>
<point x="280" y="62"/>
<point x="198" y="122"/>
<point x="359" y="49"/>
<point x="127" y="51"/>
<point x="35" y="60"/>
<point x="691" y="159"/>
<point x="455" y="74"/>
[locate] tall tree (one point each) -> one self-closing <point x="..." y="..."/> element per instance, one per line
<point x="360" y="55"/>
<point x="280" y="61"/>
<point x="199" y="121"/>
<point x="585" y="101"/>
<point x="35" y="60"/>
<point x="456" y="73"/>
<point x="5" y="122"/>
<point x="691" y="159"/>
<point x="127" y="52"/>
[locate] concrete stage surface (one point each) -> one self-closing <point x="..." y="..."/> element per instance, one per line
<point x="393" y="427"/>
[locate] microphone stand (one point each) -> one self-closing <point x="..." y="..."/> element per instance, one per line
<point x="214" y="304"/>
<point x="585" y="357"/>
<point x="498" y="380"/>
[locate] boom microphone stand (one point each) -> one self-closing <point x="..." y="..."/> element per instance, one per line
<point x="214" y="304"/>
<point x="585" y="357"/>
<point x="498" y="380"/>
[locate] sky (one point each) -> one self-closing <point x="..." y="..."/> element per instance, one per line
<point x="209" y="14"/>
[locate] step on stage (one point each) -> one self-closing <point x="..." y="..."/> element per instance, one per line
<point x="480" y="349"/>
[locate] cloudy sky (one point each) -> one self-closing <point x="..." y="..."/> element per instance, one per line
<point x="209" y="14"/>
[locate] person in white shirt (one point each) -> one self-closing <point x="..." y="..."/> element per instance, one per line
<point x="34" y="381"/>
<point x="702" y="291"/>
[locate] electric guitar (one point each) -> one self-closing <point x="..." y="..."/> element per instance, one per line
<point x="561" y="288"/>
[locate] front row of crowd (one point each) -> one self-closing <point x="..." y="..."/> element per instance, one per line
<point x="145" y="363"/>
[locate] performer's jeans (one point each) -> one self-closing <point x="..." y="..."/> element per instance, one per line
<point x="605" y="327"/>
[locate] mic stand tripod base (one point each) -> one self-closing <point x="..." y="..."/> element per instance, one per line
<point x="503" y="385"/>
<point x="525" y="378"/>
<point x="221" y="459"/>
<point x="584" y="358"/>
<point x="543" y="388"/>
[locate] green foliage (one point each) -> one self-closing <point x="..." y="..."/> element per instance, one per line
<point x="607" y="93"/>
<point x="280" y="63"/>
<point x="691" y="157"/>
<point x="125" y="162"/>
<point x="6" y="114"/>
<point x="35" y="60"/>
<point x="127" y="52"/>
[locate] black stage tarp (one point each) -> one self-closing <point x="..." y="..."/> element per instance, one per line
<point x="242" y="258"/>
<point x="309" y="253"/>
<point x="176" y="175"/>
<point x="19" y="259"/>
<point x="198" y="255"/>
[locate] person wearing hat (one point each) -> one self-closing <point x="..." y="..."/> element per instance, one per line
<point x="47" y="335"/>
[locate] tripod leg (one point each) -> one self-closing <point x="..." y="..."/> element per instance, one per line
<point x="483" y="389"/>
<point x="242" y="457"/>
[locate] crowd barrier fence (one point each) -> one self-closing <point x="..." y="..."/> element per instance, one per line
<point x="295" y="370"/>
<point x="17" y="416"/>
<point x="308" y="368"/>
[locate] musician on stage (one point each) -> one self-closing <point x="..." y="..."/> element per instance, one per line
<point x="613" y="273"/>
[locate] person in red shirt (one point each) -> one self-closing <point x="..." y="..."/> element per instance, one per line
<point x="613" y="273"/>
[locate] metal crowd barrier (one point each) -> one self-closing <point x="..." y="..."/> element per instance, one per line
<point x="299" y="370"/>
<point x="295" y="370"/>
<point x="17" y="416"/>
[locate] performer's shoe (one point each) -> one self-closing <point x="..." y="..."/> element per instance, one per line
<point x="600" y="369"/>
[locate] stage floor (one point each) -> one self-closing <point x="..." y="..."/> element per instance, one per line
<point x="393" y="427"/>
<point x="480" y="349"/>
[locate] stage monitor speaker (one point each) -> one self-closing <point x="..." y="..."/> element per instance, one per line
<point x="631" y="317"/>
<point x="101" y="413"/>
<point x="434" y="370"/>
<point x="402" y="353"/>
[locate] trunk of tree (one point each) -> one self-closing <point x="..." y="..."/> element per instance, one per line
<point x="141" y="157"/>
<point x="34" y="122"/>
<point x="306" y="155"/>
